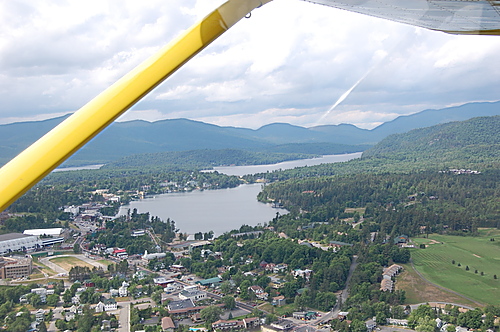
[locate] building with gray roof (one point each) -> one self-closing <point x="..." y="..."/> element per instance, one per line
<point x="18" y="242"/>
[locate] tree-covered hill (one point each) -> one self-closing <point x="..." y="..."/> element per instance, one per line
<point x="395" y="203"/>
<point x="471" y="144"/>
<point x="203" y="159"/>
<point x="476" y="139"/>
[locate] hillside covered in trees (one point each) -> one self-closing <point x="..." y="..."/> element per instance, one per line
<point x="471" y="144"/>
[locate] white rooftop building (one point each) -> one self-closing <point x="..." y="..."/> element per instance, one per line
<point x="18" y="242"/>
<point x="44" y="231"/>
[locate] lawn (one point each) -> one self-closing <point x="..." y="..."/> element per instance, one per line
<point x="68" y="262"/>
<point x="105" y="262"/>
<point x="418" y="291"/>
<point x="477" y="253"/>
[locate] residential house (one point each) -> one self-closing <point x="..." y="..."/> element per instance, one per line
<point x="338" y="244"/>
<point x="277" y="283"/>
<point x="270" y="267"/>
<point x="223" y="325"/>
<point x="42" y="292"/>
<point x="76" y="309"/>
<point x="282" y="267"/>
<point x="167" y="324"/>
<point x="394" y="321"/>
<point x="282" y="325"/>
<point x="387" y="285"/>
<point x="106" y="305"/>
<point x="40" y="315"/>
<point x="302" y="273"/>
<point x="259" y="292"/>
<point x="110" y="305"/>
<point x="123" y="290"/>
<point x="247" y="323"/>
<point x="342" y="315"/>
<point x="370" y="325"/>
<point x="402" y="239"/>
<point x="76" y="299"/>
<point x="279" y="301"/>
<point x="69" y="316"/>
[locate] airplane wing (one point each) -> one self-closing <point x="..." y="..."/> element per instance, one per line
<point x="475" y="17"/>
<point x="38" y="160"/>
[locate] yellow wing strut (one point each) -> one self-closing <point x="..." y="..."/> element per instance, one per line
<point x="38" y="160"/>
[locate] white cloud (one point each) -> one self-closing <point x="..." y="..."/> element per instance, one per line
<point x="289" y="62"/>
<point x="146" y="115"/>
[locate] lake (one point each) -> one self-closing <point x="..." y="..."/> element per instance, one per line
<point x="253" y="169"/>
<point x="210" y="210"/>
<point x="224" y="209"/>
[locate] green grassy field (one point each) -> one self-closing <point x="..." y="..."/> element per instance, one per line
<point x="478" y="253"/>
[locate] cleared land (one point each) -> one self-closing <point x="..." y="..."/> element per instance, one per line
<point x="68" y="262"/>
<point x="419" y="291"/>
<point x="477" y="253"/>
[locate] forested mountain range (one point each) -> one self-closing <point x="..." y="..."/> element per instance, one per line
<point x="474" y="143"/>
<point x="127" y="138"/>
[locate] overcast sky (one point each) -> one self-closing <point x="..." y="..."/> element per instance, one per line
<point x="290" y="62"/>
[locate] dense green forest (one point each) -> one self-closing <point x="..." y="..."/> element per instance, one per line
<point x="395" y="203"/>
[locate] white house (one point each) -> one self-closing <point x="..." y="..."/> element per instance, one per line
<point x="106" y="305"/>
<point x="123" y="290"/>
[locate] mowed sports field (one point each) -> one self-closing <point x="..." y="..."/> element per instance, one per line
<point x="478" y="253"/>
<point x="68" y="262"/>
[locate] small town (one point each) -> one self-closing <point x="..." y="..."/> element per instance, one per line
<point x="71" y="277"/>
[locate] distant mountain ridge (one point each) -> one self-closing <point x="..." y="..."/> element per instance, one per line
<point x="122" y="139"/>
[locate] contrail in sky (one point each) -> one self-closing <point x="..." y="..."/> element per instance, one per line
<point x="344" y="96"/>
<point x="348" y="92"/>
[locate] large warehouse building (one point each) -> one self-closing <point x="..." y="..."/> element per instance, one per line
<point x="18" y="242"/>
<point x="48" y="236"/>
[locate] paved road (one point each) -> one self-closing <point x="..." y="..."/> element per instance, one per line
<point x="57" y="315"/>
<point x="124" y="317"/>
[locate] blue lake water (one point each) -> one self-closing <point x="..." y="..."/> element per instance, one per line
<point x="224" y="209"/>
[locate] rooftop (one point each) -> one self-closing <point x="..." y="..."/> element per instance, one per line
<point x="12" y="236"/>
<point x="183" y="304"/>
<point x="44" y="231"/>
